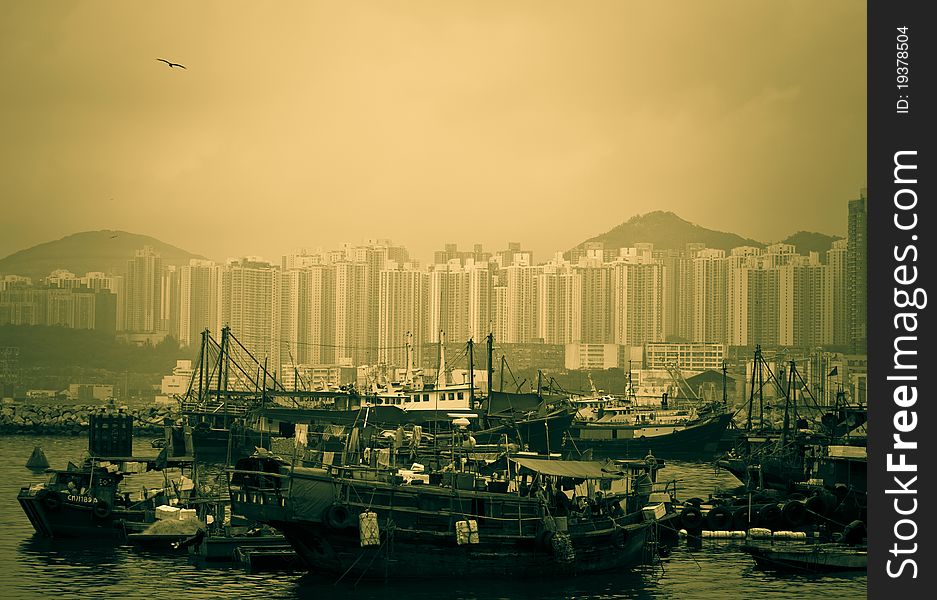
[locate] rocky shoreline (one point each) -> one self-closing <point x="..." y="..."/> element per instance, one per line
<point x="49" y="419"/>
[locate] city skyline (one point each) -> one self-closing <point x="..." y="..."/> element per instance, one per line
<point x="463" y="122"/>
<point x="311" y="246"/>
<point x="360" y="304"/>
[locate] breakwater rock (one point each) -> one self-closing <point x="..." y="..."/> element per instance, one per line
<point x="73" y="420"/>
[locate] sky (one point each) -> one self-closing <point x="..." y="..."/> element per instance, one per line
<point x="310" y="124"/>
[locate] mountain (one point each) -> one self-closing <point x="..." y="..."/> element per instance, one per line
<point x="811" y="241"/>
<point x="666" y="231"/>
<point x="79" y="253"/>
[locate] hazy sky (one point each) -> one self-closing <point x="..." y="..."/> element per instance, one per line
<point x="313" y="123"/>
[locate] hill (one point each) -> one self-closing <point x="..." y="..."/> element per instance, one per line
<point x="811" y="241"/>
<point x="104" y="250"/>
<point x="666" y="231"/>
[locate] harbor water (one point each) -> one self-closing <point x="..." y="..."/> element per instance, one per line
<point x="33" y="567"/>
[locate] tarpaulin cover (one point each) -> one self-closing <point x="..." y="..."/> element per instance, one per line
<point x="310" y="498"/>
<point x="570" y="468"/>
<point x="506" y="402"/>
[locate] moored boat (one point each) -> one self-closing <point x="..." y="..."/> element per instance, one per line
<point x="360" y="522"/>
<point x="689" y="439"/>
<point x="93" y="499"/>
<point x="816" y="558"/>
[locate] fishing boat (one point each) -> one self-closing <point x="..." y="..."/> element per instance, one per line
<point x="625" y="432"/>
<point x="620" y="427"/>
<point x="812" y="558"/>
<point x="537" y="517"/>
<point x="227" y="423"/>
<point x="821" y="445"/>
<point x="94" y="498"/>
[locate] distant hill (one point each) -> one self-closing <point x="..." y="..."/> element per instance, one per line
<point x="811" y="241"/>
<point x="104" y="250"/>
<point x="666" y="231"/>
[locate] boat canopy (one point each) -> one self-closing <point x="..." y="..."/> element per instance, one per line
<point x="579" y="469"/>
<point x="508" y="402"/>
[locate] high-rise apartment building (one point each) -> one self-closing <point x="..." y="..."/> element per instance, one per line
<point x="520" y="304"/>
<point x="638" y="294"/>
<point x="403" y="296"/>
<point x="836" y="258"/>
<point x="200" y="298"/>
<point x="143" y="291"/>
<point x="710" y="289"/>
<point x="857" y="272"/>
<point x="559" y="304"/>
<point x="251" y="308"/>
<point x="353" y="309"/>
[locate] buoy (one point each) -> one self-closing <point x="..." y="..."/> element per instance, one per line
<point x="757" y="533"/>
<point x="37" y="460"/>
<point x="723" y="535"/>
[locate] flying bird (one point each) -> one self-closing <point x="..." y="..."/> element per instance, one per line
<point x="113" y="236"/>
<point x="171" y="64"/>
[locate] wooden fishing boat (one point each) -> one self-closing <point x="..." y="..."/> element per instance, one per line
<point x="360" y="522"/>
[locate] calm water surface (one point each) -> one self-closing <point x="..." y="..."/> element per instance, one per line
<point x="32" y="567"/>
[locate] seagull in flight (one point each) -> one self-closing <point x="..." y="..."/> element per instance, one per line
<point x="171" y="64"/>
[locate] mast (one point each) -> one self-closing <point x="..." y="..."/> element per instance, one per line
<point x="787" y="404"/>
<point x="725" y="368"/>
<point x="761" y="389"/>
<point x="408" y="378"/>
<point x="490" y="343"/>
<point x="201" y="365"/>
<point x="223" y="371"/>
<point x="471" y="361"/>
<point x="442" y="359"/>
<point x="751" y="394"/>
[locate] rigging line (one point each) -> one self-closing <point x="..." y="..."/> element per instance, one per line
<point x="270" y="339"/>
<point x="257" y="362"/>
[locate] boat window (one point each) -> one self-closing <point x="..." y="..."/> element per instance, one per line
<point x="460" y="396"/>
<point x="452" y="395"/>
<point x="425" y="397"/>
<point x="416" y="397"/>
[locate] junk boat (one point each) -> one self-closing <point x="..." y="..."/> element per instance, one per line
<point x="533" y="517"/>
<point x="815" y="444"/>
<point x="93" y="499"/>
<point x="620" y="427"/>
<point x="229" y="422"/>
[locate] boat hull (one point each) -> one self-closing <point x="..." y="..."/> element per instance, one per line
<point x="410" y="555"/>
<point x="225" y="548"/>
<point x="77" y="520"/>
<point x="814" y="560"/>
<point x="420" y="531"/>
<point x="699" y="441"/>
<point x="538" y="434"/>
